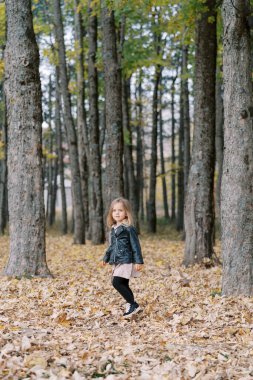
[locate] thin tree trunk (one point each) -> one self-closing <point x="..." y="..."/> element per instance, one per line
<point x="64" y="220"/>
<point x="114" y="141"/>
<point x="79" y="228"/>
<point x="54" y="191"/>
<point x="128" y="147"/>
<point x="237" y="195"/>
<point x="163" y="175"/>
<point x="24" y="118"/>
<point x="219" y="141"/>
<point x="140" y="152"/>
<point x="180" y="172"/>
<point x="50" y="160"/>
<point x="82" y="129"/>
<point x="97" y="223"/>
<point x="186" y="117"/>
<point x="173" y="155"/>
<point x="153" y="163"/>
<point x="199" y="208"/>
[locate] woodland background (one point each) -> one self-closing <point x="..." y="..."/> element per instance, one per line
<point x="150" y="100"/>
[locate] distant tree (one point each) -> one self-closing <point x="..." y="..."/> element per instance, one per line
<point x="96" y="206"/>
<point x="151" y="206"/>
<point x="237" y="194"/>
<point x="79" y="228"/>
<point x="24" y="117"/>
<point x="82" y="128"/>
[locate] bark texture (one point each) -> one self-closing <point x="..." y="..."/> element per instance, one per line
<point x="97" y="224"/>
<point x="113" y="182"/>
<point x="219" y="143"/>
<point x="186" y="116"/>
<point x="140" y="151"/>
<point x="199" y="208"/>
<point x="79" y="230"/>
<point x="151" y="209"/>
<point x="173" y="155"/>
<point x="180" y="172"/>
<point x="3" y="170"/>
<point x="237" y="195"/>
<point x="82" y="128"/>
<point x="24" y="117"/>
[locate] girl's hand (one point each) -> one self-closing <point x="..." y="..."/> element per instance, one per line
<point x="102" y="263"/>
<point x="138" y="267"/>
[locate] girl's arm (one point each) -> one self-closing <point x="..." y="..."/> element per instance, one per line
<point x="136" y="247"/>
<point x="107" y="253"/>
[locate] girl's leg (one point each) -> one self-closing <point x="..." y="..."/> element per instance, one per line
<point x="122" y="286"/>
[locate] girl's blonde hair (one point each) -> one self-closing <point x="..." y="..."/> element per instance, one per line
<point x="130" y="220"/>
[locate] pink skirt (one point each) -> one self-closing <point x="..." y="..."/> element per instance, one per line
<point x="125" y="271"/>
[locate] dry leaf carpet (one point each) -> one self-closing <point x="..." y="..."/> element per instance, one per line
<point x="70" y="326"/>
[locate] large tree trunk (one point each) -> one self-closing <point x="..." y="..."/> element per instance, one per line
<point x="79" y="228"/>
<point x="3" y="171"/>
<point x="24" y="118"/>
<point x="97" y="224"/>
<point x="237" y="195"/>
<point x="199" y="208"/>
<point x="114" y="140"/>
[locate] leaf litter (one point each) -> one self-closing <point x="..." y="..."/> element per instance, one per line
<point x="70" y="327"/>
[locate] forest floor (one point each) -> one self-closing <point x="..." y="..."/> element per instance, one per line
<point x="70" y="327"/>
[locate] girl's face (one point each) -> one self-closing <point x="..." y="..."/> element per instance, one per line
<point x="118" y="212"/>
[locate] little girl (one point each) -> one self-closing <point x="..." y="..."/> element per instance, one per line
<point x="124" y="252"/>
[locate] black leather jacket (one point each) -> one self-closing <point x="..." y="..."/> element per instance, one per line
<point x="125" y="246"/>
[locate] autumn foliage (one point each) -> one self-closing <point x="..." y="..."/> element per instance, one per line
<point x="70" y="327"/>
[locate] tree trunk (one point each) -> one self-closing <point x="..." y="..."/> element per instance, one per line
<point x="237" y="195"/>
<point x="59" y="150"/>
<point x="82" y="129"/>
<point x="50" y="159"/>
<point x="79" y="228"/>
<point x="54" y="192"/>
<point x="199" y="208"/>
<point x="140" y="152"/>
<point x="153" y="163"/>
<point x="186" y="117"/>
<point x="97" y="223"/>
<point x="163" y="175"/>
<point x="219" y="142"/>
<point x="114" y="140"/>
<point x="128" y="147"/>
<point x="3" y="173"/>
<point x="173" y="155"/>
<point x="180" y="172"/>
<point x="24" y="118"/>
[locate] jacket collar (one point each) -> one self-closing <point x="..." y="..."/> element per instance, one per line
<point x="119" y="229"/>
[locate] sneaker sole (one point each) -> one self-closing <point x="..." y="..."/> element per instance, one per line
<point x="133" y="313"/>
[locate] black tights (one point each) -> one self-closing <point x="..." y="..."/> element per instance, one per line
<point x="122" y="286"/>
